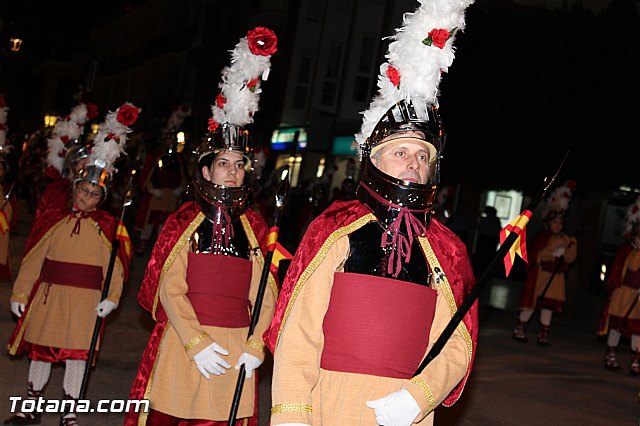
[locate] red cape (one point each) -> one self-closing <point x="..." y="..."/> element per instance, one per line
<point x="172" y="231"/>
<point x="450" y="251"/>
<point x="614" y="281"/>
<point x="527" y="295"/>
<point x="56" y="195"/>
<point x="40" y="231"/>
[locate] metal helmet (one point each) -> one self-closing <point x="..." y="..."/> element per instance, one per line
<point x="95" y="175"/>
<point x="210" y="196"/>
<point x="423" y="121"/>
<point x="74" y="154"/>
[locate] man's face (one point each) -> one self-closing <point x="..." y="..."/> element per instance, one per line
<point x="227" y="169"/>
<point x="555" y="226"/>
<point x="86" y="196"/>
<point x="404" y="158"/>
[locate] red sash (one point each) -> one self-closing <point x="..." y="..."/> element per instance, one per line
<point x="632" y="279"/>
<point x="550" y="266"/>
<point x="72" y="274"/>
<point x="377" y="326"/>
<point x="219" y="289"/>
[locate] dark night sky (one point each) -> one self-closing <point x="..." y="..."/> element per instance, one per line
<point x="527" y="85"/>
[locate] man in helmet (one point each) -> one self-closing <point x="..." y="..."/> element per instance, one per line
<point x="200" y="286"/>
<point x="550" y="256"/>
<point x="58" y="290"/>
<point x="373" y="284"/>
<point x="162" y="180"/>
<point x="621" y="314"/>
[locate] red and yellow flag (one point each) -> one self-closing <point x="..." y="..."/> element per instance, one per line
<point x="519" y="247"/>
<point x="123" y="236"/>
<point x="4" y="222"/>
<point x="279" y="252"/>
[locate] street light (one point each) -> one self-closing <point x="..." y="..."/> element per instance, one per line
<point x="15" y="44"/>
<point x="50" y="120"/>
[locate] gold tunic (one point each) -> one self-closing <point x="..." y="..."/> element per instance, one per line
<point x="622" y="297"/>
<point x="557" y="289"/>
<point x="176" y="386"/>
<point x="67" y="318"/>
<point x="302" y="392"/>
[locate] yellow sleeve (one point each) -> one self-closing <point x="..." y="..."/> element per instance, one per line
<point x="297" y="356"/>
<point x="255" y="344"/>
<point x="173" y="295"/>
<point x="30" y="270"/>
<point x="447" y="369"/>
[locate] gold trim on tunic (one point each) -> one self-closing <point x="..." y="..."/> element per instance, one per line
<point x="182" y="241"/>
<point x="443" y="284"/>
<point x="142" y="418"/>
<point x="199" y="338"/>
<point x="253" y="242"/>
<point x="426" y="390"/>
<point x="44" y="237"/>
<point x="291" y="408"/>
<point x="317" y="259"/>
<point x="252" y="343"/>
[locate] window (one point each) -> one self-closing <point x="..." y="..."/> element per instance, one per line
<point x="361" y="89"/>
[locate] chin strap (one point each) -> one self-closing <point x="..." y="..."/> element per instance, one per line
<point x="222" y="229"/>
<point x="392" y="237"/>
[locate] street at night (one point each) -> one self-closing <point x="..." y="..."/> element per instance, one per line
<point x="381" y="212"/>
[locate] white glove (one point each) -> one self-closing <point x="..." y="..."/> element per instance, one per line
<point x="156" y="193"/>
<point x="396" y="409"/>
<point x="208" y="360"/>
<point x="17" y="308"/>
<point x="105" y="307"/>
<point x="559" y="251"/>
<point x="178" y="191"/>
<point x="250" y="363"/>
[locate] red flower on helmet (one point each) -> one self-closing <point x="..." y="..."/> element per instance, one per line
<point x="571" y="184"/>
<point x="213" y="125"/>
<point x="3" y="103"/>
<point x="262" y="41"/>
<point x="438" y="37"/>
<point x="251" y="84"/>
<point x="394" y="75"/>
<point x="64" y="139"/>
<point x="92" y="111"/>
<point x="127" y="114"/>
<point x="220" y="101"/>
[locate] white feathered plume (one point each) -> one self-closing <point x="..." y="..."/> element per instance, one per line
<point x="3" y="125"/>
<point x="111" y="139"/>
<point x="65" y="131"/>
<point x="240" y="87"/>
<point x="423" y="50"/>
<point x="559" y="199"/>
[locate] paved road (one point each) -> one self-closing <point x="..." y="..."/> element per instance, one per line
<point x="512" y="383"/>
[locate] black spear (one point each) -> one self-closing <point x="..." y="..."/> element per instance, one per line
<point x="255" y="315"/>
<point x="488" y="273"/>
<point x="115" y="244"/>
<point x="8" y="194"/>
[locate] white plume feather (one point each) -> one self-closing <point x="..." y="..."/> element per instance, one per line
<point x="69" y="128"/>
<point x="419" y="65"/>
<point x="110" y="141"/>
<point x="240" y="103"/>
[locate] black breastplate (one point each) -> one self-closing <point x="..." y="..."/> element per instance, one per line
<point x="368" y="258"/>
<point x="202" y="241"/>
